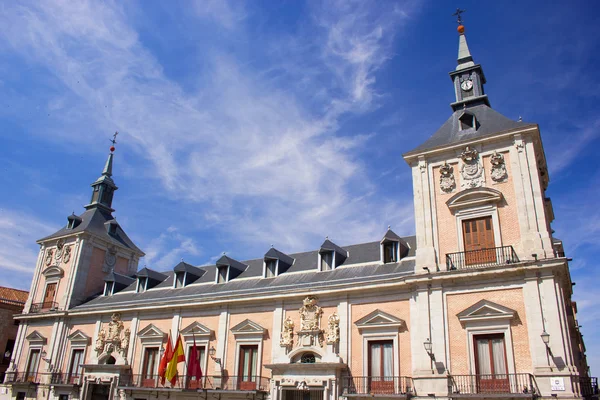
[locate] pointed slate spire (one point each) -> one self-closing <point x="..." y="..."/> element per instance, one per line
<point x="108" y="166"/>
<point x="465" y="60"/>
<point x="104" y="187"/>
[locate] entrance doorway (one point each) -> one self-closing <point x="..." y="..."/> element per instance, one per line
<point x="312" y="394"/>
<point x="99" y="392"/>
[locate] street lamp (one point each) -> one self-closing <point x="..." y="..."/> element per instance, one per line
<point x="211" y="353"/>
<point x="427" y="344"/>
<point x="545" y="338"/>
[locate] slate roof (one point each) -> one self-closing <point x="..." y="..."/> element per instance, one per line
<point x="489" y="122"/>
<point x="93" y="221"/>
<point x="14" y="297"/>
<point x="361" y="266"/>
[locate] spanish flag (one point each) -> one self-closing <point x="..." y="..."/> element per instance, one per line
<point x="178" y="356"/>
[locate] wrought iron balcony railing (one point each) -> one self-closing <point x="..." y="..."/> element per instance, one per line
<point x="43" y="307"/>
<point x="239" y="383"/>
<point x="483" y="258"/>
<point x="492" y="384"/>
<point x="371" y="385"/>
<point x="59" y="378"/>
<point x="588" y="386"/>
<point x="24" y="377"/>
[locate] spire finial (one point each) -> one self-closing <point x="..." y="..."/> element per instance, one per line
<point x="389" y="227"/>
<point x="113" y="141"/>
<point x="458" y="13"/>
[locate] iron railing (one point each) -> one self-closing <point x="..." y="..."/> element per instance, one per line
<point x="588" y="386"/>
<point x="24" y="377"/>
<point x="59" y="378"/>
<point x="372" y="385"/>
<point x="43" y="307"/>
<point x="520" y="383"/>
<point x="239" y="383"/>
<point x="481" y="258"/>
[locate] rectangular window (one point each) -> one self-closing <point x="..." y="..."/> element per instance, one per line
<point x="381" y="367"/>
<point x="150" y="363"/>
<point x="49" y="296"/>
<point x="326" y="261"/>
<point x="180" y="279"/>
<point x="222" y="274"/>
<point x="389" y="252"/>
<point x="32" y="365"/>
<point x="248" y="367"/>
<point x="75" y="366"/>
<point x="108" y="288"/>
<point x="63" y="397"/>
<point x="271" y="268"/>
<point x="490" y="363"/>
<point x="21" y="395"/>
<point x="142" y="282"/>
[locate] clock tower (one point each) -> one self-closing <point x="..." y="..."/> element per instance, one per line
<point x="468" y="77"/>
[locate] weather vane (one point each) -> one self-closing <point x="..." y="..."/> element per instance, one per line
<point x="458" y="17"/>
<point x="113" y="141"/>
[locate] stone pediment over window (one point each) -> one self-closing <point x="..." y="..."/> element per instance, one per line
<point x="196" y="330"/>
<point x="485" y="310"/>
<point x="36" y="339"/>
<point x="53" y="272"/>
<point x="248" y="328"/>
<point x="379" y="320"/>
<point x="151" y="334"/>
<point x="474" y="197"/>
<point x="78" y="338"/>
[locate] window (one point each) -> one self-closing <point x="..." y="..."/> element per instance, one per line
<point x="21" y="395"/>
<point x="490" y="362"/>
<point x="112" y="229"/>
<point x="327" y="261"/>
<point x="149" y="366"/>
<point x="10" y="345"/>
<point x="179" y="279"/>
<point x="75" y="366"/>
<point x="270" y="268"/>
<point x="63" y="397"/>
<point x="95" y="194"/>
<point x="467" y="121"/>
<point x="32" y="365"/>
<point x="222" y="274"/>
<point x="247" y="368"/>
<point x="142" y="282"/>
<point x="49" y="296"/>
<point x="107" y="195"/>
<point x="381" y="366"/>
<point x="108" y="288"/>
<point x="390" y="252"/>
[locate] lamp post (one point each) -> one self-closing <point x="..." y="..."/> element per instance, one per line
<point x="545" y="338"/>
<point x="428" y="345"/>
<point x="211" y="353"/>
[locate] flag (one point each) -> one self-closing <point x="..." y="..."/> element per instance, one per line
<point x="178" y="356"/>
<point x="193" y="367"/>
<point x="164" y="361"/>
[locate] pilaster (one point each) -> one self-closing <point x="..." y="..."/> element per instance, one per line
<point x="222" y="340"/>
<point x="425" y="254"/>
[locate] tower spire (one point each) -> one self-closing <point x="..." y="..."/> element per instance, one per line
<point x="104" y="187"/>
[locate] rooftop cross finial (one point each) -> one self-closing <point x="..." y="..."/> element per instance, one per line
<point x="113" y="141"/>
<point x="458" y="17"/>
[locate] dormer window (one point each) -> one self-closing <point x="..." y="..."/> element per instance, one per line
<point x="74" y="221"/>
<point x="179" y="279"/>
<point x="393" y="247"/>
<point x="108" y="288"/>
<point x="270" y="268"/>
<point x="222" y="273"/>
<point x="390" y="252"/>
<point x="142" y="284"/>
<point x="467" y="121"/>
<point x="327" y="261"/>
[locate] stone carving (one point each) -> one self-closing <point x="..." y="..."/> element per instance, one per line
<point x="59" y="249"/>
<point x="498" y="167"/>
<point x="447" y="182"/>
<point x="113" y="338"/>
<point x="110" y="259"/>
<point x="122" y="395"/>
<point x="287" y="336"/>
<point x="471" y="170"/>
<point x="310" y="332"/>
<point x="333" y="332"/>
<point x="66" y="254"/>
<point x="49" y="255"/>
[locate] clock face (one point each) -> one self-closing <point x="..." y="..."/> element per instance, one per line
<point x="467" y="85"/>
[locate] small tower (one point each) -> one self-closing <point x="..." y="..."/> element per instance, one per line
<point x="74" y="261"/>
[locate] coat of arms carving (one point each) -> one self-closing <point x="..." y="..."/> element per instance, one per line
<point x="498" y="172"/>
<point x="310" y="323"/>
<point x="113" y="338"/>
<point x="447" y="182"/>
<point x="66" y="254"/>
<point x="472" y="170"/>
<point x="60" y="245"/>
<point x="49" y="255"/>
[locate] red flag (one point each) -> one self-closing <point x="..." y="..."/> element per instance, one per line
<point x="193" y="368"/>
<point x="164" y="361"/>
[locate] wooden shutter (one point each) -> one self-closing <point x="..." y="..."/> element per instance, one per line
<point x="479" y="241"/>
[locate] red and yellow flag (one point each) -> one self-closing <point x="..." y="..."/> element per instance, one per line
<point x="164" y="361"/>
<point x="178" y="356"/>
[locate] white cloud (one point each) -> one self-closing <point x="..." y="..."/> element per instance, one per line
<point x="165" y="251"/>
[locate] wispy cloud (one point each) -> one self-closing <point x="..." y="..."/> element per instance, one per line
<point x="165" y="251"/>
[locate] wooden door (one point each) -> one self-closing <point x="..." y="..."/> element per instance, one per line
<point x="480" y="246"/>
<point x="491" y="364"/>
<point x="49" y="296"/>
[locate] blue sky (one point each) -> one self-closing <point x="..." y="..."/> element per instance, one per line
<point x="246" y="124"/>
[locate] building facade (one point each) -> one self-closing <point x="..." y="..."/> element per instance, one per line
<point x="476" y="304"/>
<point x="11" y="302"/>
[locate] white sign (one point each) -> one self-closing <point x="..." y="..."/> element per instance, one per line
<point x="557" y="383"/>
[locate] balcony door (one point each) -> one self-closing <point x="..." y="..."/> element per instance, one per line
<point x="490" y="364"/>
<point x="247" y="367"/>
<point x="479" y="241"/>
<point x="32" y="365"/>
<point x="381" y="367"/>
<point x="49" y="296"/>
<point x="149" y="367"/>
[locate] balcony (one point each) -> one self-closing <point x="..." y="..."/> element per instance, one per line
<point x="46" y="306"/>
<point x="376" y="385"/>
<point x="24" y="378"/>
<point x="588" y="386"/>
<point x="59" y="378"/>
<point x="501" y="385"/>
<point x="226" y="383"/>
<point x="484" y="258"/>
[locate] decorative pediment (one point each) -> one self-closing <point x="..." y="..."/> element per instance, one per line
<point x="474" y="197"/>
<point x="196" y="330"/>
<point x="248" y="328"/>
<point x="53" y="272"/>
<point x="485" y="310"/>
<point x="78" y="338"/>
<point x="36" y="339"/>
<point x="151" y="334"/>
<point x="378" y="320"/>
